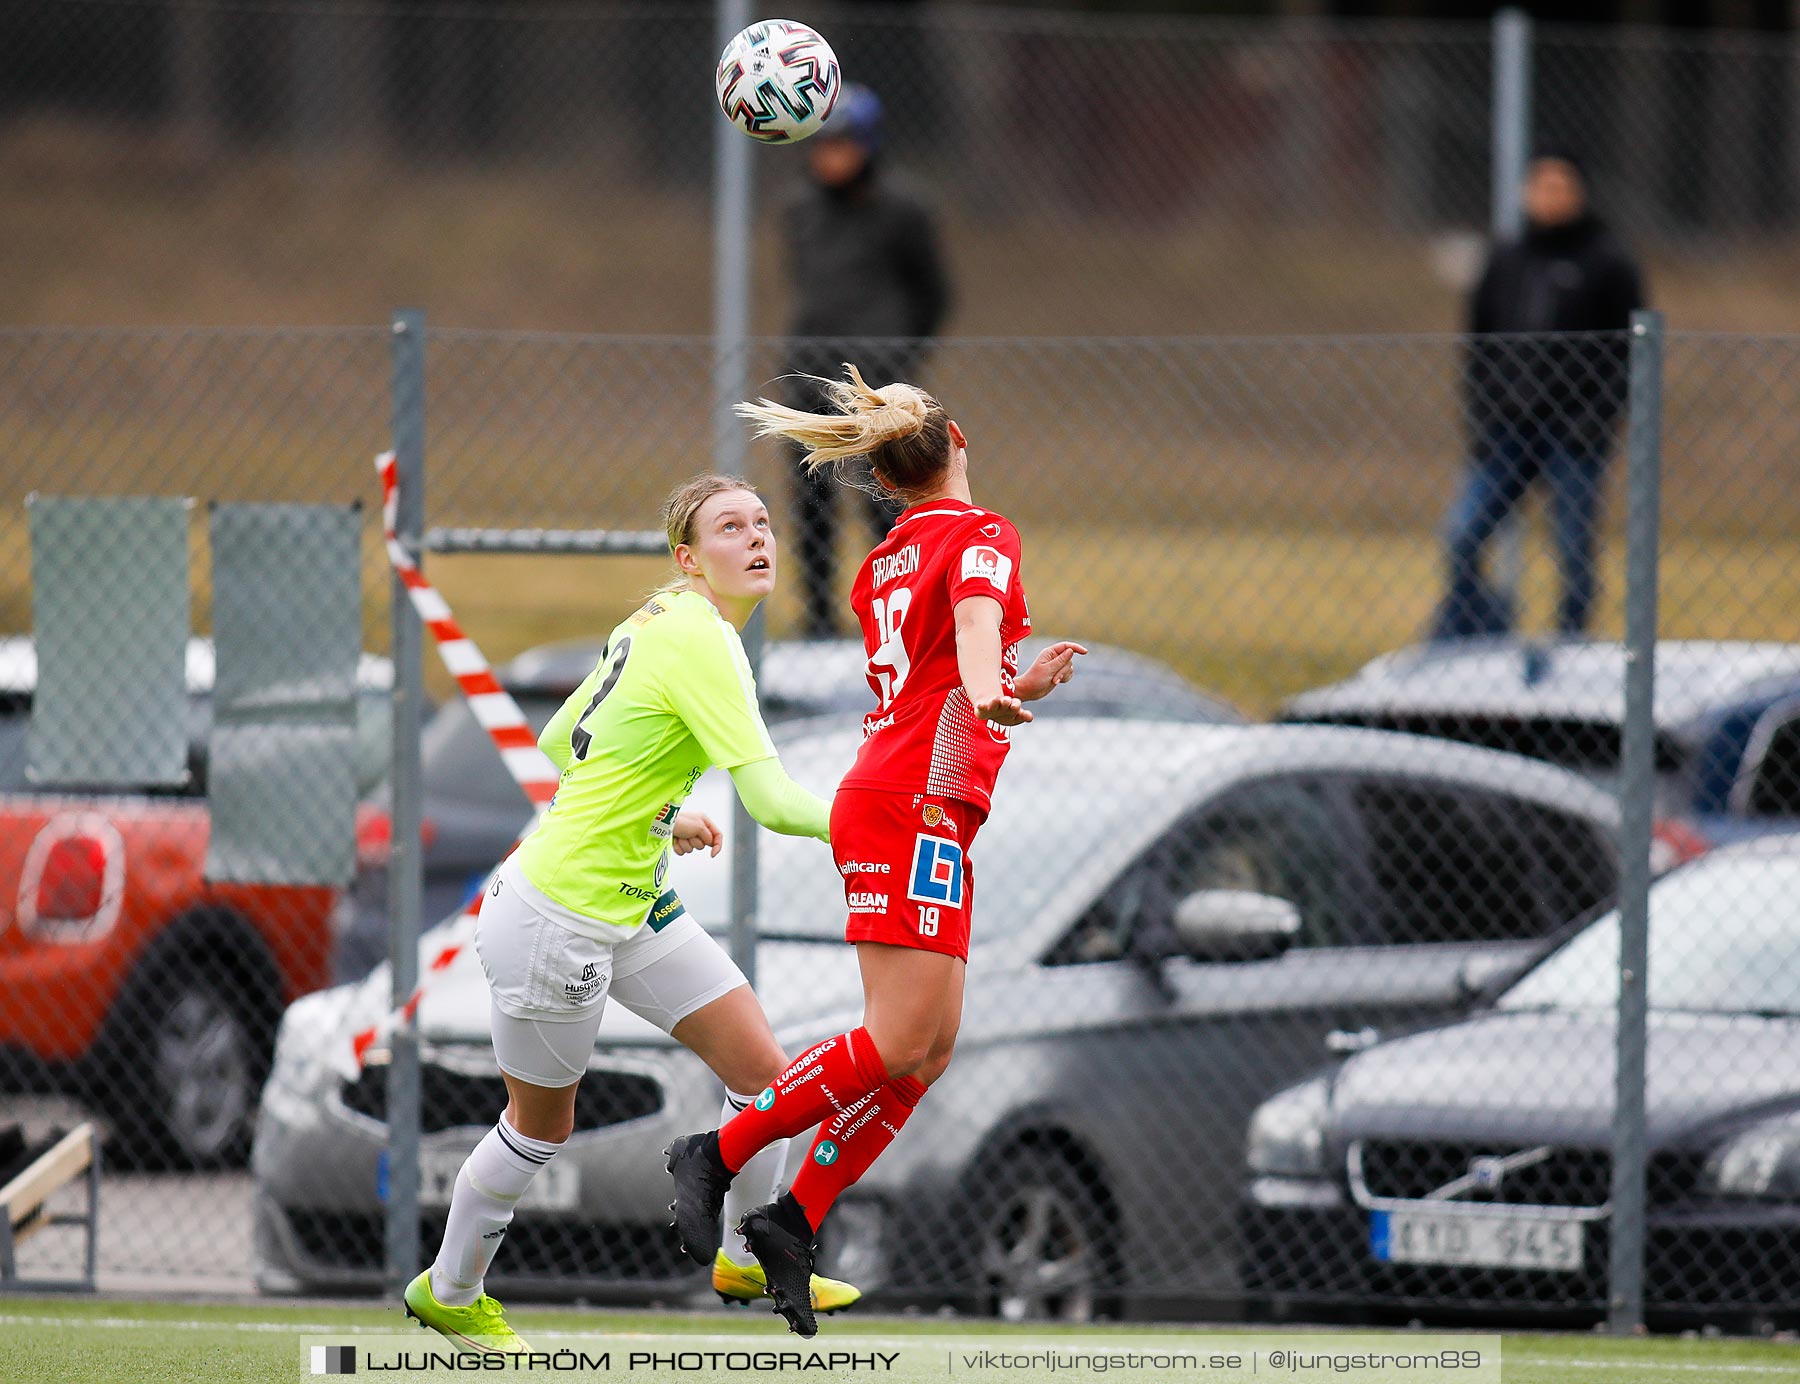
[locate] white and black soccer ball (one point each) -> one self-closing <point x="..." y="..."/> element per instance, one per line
<point x="778" y="81"/>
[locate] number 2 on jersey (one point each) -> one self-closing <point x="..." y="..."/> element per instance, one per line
<point x="889" y="662"/>
<point x="580" y="738"/>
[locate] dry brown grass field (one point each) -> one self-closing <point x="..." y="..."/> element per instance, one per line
<point x="1259" y="513"/>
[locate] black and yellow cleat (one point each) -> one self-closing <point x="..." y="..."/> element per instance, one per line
<point x="742" y="1284"/>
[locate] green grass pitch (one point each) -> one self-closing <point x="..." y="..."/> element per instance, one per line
<point x="61" y="1341"/>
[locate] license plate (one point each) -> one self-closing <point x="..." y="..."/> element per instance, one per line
<point x="557" y="1186"/>
<point x="1551" y="1243"/>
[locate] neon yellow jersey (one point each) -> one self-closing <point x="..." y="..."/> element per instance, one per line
<point x="671" y="696"/>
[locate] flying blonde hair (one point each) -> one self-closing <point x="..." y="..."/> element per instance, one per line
<point x="902" y="430"/>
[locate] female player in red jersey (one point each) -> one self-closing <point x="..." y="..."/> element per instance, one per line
<point x="942" y="613"/>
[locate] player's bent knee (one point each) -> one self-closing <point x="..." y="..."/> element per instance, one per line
<point x="933" y="1067"/>
<point x="902" y="1057"/>
<point x="754" y="1071"/>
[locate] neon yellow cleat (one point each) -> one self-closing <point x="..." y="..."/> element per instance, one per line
<point x="739" y="1283"/>
<point x="481" y="1326"/>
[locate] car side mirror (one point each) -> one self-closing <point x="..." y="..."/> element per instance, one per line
<point x="1480" y="974"/>
<point x="1235" y="925"/>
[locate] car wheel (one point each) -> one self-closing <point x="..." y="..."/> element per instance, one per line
<point x="1042" y="1253"/>
<point x="187" y="1052"/>
<point x="203" y="1076"/>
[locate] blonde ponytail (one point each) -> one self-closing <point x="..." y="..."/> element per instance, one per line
<point x="901" y="429"/>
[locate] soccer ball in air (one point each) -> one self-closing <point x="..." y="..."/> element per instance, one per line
<point x="778" y="81"/>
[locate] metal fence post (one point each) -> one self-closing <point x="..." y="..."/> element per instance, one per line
<point x="1511" y="141"/>
<point x="1642" y="523"/>
<point x="405" y="877"/>
<point x="1512" y="120"/>
<point x="731" y="330"/>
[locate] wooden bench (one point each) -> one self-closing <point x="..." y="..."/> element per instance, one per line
<point x="23" y="1212"/>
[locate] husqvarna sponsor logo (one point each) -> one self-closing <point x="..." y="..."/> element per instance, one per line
<point x="593" y="977"/>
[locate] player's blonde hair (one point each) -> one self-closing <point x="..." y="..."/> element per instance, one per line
<point x="902" y="430"/>
<point x="683" y="506"/>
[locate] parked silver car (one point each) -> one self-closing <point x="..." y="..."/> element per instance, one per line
<point x="1468" y="1167"/>
<point x="1174" y="919"/>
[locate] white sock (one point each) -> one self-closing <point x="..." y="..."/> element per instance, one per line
<point x="757" y="1183"/>
<point x="481" y="1207"/>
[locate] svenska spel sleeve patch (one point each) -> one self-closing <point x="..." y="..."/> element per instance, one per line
<point x="987" y="564"/>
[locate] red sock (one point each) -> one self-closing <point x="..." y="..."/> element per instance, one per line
<point x="850" y="1142"/>
<point x="827" y="1079"/>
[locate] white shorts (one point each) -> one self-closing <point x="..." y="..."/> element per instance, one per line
<point x="549" y="983"/>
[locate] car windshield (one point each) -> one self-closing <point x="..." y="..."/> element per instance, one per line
<point x="1724" y="939"/>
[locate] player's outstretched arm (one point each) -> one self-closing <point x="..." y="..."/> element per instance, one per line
<point x="1048" y="671"/>
<point x="978" y="661"/>
<point x="780" y="804"/>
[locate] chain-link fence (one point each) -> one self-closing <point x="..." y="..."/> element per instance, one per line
<point x="1164" y="174"/>
<point x="1245" y="1022"/>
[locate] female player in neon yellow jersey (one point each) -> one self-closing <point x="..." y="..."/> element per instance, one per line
<point x="581" y="910"/>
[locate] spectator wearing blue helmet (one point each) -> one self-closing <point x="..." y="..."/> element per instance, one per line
<point x="869" y="285"/>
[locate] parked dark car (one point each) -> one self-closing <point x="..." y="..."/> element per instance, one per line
<point x="473" y="809"/>
<point x="1727" y="720"/>
<point x="1468" y="1167"/>
<point x="1175" y="921"/>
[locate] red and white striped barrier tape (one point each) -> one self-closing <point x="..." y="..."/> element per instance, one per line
<point x="495" y="711"/>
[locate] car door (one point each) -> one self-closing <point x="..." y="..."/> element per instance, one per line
<point x="1397" y="884"/>
<point x="1157" y="1059"/>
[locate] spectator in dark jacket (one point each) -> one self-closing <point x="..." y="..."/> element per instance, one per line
<point x="1544" y="410"/>
<point x="869" y="286"/>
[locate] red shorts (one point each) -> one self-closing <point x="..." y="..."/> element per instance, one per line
<point x="905" y="862"/>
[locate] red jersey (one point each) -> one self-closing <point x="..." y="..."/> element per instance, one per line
<point x="924" y="735"/>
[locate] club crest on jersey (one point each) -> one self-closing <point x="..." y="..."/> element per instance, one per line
<point x="664" y="826"/>
<point x="982" y="563"/>
<point x="933" y="814"/>
<point x="937" y="872"/>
